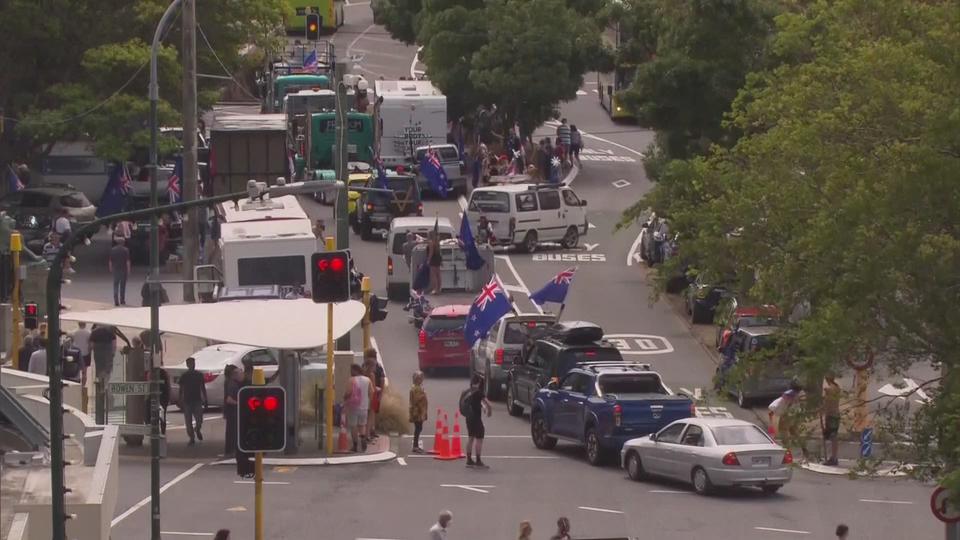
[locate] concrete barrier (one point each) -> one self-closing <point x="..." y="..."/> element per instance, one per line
<point x="22" y="382"/>
<point x="19" y="527"/>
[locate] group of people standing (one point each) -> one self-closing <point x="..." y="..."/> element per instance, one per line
<point x="547" y="162"/>
<point x="361" y="402"/>
<point x="439" y="530"/>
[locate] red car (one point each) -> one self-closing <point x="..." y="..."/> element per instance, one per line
<point x="732" y="315"/>
<point x="441" y="340"/>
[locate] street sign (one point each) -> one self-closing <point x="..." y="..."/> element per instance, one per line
<point x="943" y="509"/>
<point x="866" y="443"/>
<point x="128" y="388"/>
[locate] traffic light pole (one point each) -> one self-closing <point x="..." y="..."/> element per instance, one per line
<point x="16" y="246"/>
<point x="365" y="287"/>
<point x="341" y="209"/>
<point x="328" y="389"/>
<point x="259" y="380"/>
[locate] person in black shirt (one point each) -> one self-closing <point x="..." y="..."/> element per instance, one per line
<point x="477" y="405"/>
<point x="192" y="399"/>
<point x="233" y="380"/>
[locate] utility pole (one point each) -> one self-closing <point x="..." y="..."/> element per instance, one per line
<point x="191" y="229"/>
<point x="343" y="171"/>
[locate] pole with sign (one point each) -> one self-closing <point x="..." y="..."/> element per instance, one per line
<point x="947" y="511"/>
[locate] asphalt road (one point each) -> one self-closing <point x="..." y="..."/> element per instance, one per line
<point x="400" y="499"/>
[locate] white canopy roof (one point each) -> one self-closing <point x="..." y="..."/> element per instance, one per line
<point x="275" y="324"/>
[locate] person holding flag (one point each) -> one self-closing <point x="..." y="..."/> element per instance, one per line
<point x="432" y="170"/>
<point x="555" y="290"/>
<point x="13" y="180"/>
<point x="114" y="198"/>
<point x="474" y="259"/>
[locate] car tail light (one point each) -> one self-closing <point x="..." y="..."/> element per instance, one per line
<point x="369" y="207"/>
<point x="617" y="414"/>
<point x="730" y="459"/>
<point x="787" y="457"/>
<point x="499" y="357"/>
<point x="590" y="353"/>
<point x="423" y="339"/>
<point x="389" y="266"/>
<point x="420" y="209"/>
<point x="210" y="376"/>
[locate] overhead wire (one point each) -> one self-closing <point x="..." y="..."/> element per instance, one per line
<point x="225" y="70"/>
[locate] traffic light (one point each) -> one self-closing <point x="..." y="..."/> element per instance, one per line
<point x="31" y="316"/>
<point x="330" y="276"/>
<point x="261" y="422"/>
<point x="378" y="308"/>
<point x="313" y="26"/>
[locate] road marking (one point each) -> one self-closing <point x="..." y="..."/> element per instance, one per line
<point x="581" y="93"/>
<point x="470" y="487"/>
<point x="791" y="531"/>
<point x="640" y="343"/>
<point x="358" y="38"/>
<point x="413" y="64"/>
<point x="179" y="533"/>
<point x="632" y="255"/>
<point x="569" y="257"/>
<point x="424" y="456"/>
<point x="281" y="469"/>
<point x="713" y="412"/>
<point x="667" y="491"/>
<point x="595" y="91"/>
<point x="519" y="280"/>
<point x="604" y="510"/>
<point x="402" y="462"/>
<point x="621" y="183"/>
<point x="591" y="226"/>
<point x="237" y="509"/>
<point x="264" y="483"/>
<point x="882" y="501"/>
<point x="590" y="247"/>
<point x="146" y="500"/>
<point x="698" y="393"/>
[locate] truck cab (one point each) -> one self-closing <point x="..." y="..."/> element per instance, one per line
<point x="359" y="138"/>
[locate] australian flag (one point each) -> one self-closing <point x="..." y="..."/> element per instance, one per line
<point x="310" y="62"/>
<point x="556" y="289"/>
<point x="114" y="197"/>
<point x="486" y="310"/>
<point x="174" y="181"/>
<point x="474" y="260"/>
<point x="381" y="175"/>
<point x="432" y="170"/>
<point x="13" y="181"/>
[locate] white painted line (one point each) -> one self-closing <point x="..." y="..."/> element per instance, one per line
<point x="633" y="248"/>
<point x="595" y="91"/>
<point x="264" y="483"/>
<point x="469" y="487"/>
<point x="591" y="226"/>
<point x="882" y="501"/>
<point x="581" y="93"/>
<point x="413" y="64"/>
<point x="686" y="390"/>
<point x="604" y="510"/>
<point x="352" y="4"/>
<point x="518" y="279"/>
<point x="163" y="488"/>
<point x="402" y="462"/>
<point x="179" y="533"/>
<point x="620" y="184"/>
<point x="358" y="38"/>
<point x="668" y="491"/>
<point x="590" y="247"/>
<point x="791" y="531"/>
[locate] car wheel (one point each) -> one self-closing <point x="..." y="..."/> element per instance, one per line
<point x="635" y="467"/>
<point x="571" y="239"/>
<point x="595" y="452"/>
<point x="513" y="407"/>
<point x="770" y="490"/>
<point x="539" y="433"/>
<point x="529" y="244"/>
<point x="701" y="482"/>
<point x="366" y="231"/>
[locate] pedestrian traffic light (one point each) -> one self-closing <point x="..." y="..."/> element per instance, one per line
<point x="330" y="276"/>
<point x="261" y="422"/>
<point x="313" y="26"/>
<point x="378" y="308"/>
<point x="31" y="316"/>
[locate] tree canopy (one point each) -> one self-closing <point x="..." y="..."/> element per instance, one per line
<point x="840" y="192"/>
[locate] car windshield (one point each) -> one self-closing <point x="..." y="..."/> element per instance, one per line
<point x="517" y="332"/>
<point x="646" y="383"/>
<point x="444" y="324"/>
<point x="400" y="239"/>
<point x="736" y="435"/>
<point x="490" y="201"/>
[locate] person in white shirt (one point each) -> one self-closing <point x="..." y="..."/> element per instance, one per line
<point x="38" y="360"/>
<point x="357" y="406"/>
<point x="439" y="529"/>
<point x="81" y="340"/>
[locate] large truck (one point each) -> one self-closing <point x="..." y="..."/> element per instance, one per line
<point x="245" y="147"/>
<point x="360" y="138"/>
<point x="409" y="114"/>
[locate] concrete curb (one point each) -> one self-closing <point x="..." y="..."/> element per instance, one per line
<point x="889" y="471"/>
<point x="322" y="461"/>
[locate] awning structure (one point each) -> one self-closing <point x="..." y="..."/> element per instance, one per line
<point x="276" y="324"/>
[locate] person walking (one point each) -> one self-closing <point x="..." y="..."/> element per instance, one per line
<point x="103" y="342"/>
<point x="418" y="410"/>
<point x="576" y="144"/>
<point x="373" y="371"/>
<point x="786" y="424"/>
<point x="564" y="137"/>
<point x="435" y="258"/>
<point x="123" y="230"/>
<point x="439" y="529"/>
<point x="526" y="530"/>
<point x="192" y="400"/>
<point x="119" y="265"/>
<point x="23" y="360"/>
<point x="38" y="359"/>
<point x="842" y="532"/>
<point x="232" y="381"/>
<point x="831" y="418"/>
<point x="356" y="402"/>
<point x="563" y="529"/>
<point x="62" y="226"/>
<point x="473" y="405"/>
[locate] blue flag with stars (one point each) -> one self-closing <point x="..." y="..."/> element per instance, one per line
<point x="492" y="304"/>
<point x="432" y="170"/>
<point x="556" y="289"/>
<point x="474" y="259"/>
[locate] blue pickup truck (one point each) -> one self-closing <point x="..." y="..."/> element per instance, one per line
<point x="601" y="406"/>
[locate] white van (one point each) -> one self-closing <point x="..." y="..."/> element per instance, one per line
<point x="398" y="268"/>
<point x="525" y="215"/>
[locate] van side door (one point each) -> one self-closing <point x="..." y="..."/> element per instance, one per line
<point x="552" y="224"/>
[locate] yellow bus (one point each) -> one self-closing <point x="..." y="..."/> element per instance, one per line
<point x="610" y="84"/>
<point x="330" y="11"/>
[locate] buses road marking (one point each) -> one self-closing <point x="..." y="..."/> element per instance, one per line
<point x="569" y="257"/>
<point x="590" y="247"/>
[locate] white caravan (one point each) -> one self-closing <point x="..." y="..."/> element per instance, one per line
<point x="409" y="114"/>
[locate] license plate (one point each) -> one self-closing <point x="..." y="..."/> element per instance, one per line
<point x="451" y="343"/>
<point x="761" y="461"/>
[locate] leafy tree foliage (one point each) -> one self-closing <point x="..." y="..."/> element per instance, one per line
<point x="841" y="195"/>
<point x="400" y="17"/>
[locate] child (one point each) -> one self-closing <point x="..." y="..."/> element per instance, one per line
<point x="418" y="410"/>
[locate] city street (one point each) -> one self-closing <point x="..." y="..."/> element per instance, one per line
<point x="401" y="499"/>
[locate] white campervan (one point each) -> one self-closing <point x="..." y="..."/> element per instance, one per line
<point x="525" y="215"/>
<point x="398" y="267"/>
<point x="409" y="114"/>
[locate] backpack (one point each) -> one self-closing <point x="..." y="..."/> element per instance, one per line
<point x="466" y="407"/>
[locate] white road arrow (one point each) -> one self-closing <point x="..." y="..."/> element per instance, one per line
<point x="469" y="487"/>
<point x="590" y="247"/>
<point x="637" y="258"/>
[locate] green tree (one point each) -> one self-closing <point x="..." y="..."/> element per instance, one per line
<point x="400" y="19"/>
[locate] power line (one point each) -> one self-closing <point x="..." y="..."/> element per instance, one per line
<point x="225" y="70"/>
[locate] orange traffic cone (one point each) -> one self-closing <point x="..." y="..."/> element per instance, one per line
<point x="436" y="434"/>
<point x="445" y="445"/>
<point x="456" y="450"/>
<point x="343" y="439"/>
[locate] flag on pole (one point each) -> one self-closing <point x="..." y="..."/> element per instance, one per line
<point x="381" y="174"/>
<point x="474" y="260"/>
<point x="114" y="197"/>
<point x="432" y="170"/>
<point x="311" y="62"/>
<point x="488" y="308"/>
<point x="13" y="181"/>
<point x="174" y="181"/>
<point x="556" y="289"/>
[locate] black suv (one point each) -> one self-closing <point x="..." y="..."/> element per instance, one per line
<point x="551" y="356"/>
<point x="375" y="209"/>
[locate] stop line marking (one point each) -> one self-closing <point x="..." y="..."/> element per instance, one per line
<point x="595" y="509"/>
<point x="790" y="531"/>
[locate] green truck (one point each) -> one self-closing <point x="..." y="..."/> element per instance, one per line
<point x="323" y="138"/>
<point x="291" y="84"/>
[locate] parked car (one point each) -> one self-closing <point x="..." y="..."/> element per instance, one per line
<point x="48" y="201"/>
<point x="657" y="242"/>
<point x="601" y="406"/>
<point x="730" y="315"/>
<point x="441" y="343"/>
<point x="548" y="358"/>
<point x="375" y="210"/>
<point x="212" y="360"/>
<point x="701" y="300"/>
<point x="525" y="215"/>
<point x="764" y="380"/>
<point x="34" y="229"/>
<point x="710" y="453"/>
<point x="493" y="357"/>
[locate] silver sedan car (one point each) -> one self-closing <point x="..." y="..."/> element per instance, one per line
<point x="709" y="453"/>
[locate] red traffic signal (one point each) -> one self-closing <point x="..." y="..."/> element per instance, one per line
<point x="330" y="276"/>
<point x="261" y="421"/>
<point x="31" y="316"/>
